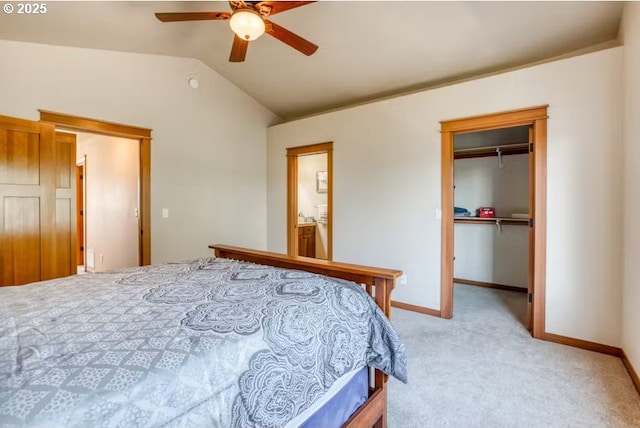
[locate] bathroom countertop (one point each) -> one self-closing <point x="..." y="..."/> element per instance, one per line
<point x="310" y="223"/>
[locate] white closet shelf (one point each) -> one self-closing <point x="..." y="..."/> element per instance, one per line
<point x="479" y="152"/>
<point x="495" y="220"/>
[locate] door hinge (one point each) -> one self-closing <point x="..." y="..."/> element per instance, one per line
<point x="81" y="212"/>
<point x="530" y="222"/>
<point x="81" y="176"/>
<point x="530" y="297"/>
<point x="531" y="147"/>
<point x="81" y="248"/>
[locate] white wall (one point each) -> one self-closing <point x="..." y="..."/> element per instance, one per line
<point x="111" y="175"/>
<point x="309" y="198"/>
<point x="631" y="294"/>
<point x="208" y="150"/>
<point x="482" y="251"/>
<point x="387" y="183"/>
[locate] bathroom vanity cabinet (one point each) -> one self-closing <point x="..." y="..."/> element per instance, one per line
<point x="307" y="239"/>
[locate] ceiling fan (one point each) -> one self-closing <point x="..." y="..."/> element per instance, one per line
<point x="248" y="20"/>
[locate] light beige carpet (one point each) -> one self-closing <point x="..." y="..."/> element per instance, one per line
<point x="483" y="369"/>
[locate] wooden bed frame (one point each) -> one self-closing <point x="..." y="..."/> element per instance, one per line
<point x="379" y="284"/>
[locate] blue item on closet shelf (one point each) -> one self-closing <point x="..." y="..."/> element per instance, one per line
<point x="461" y="212"/>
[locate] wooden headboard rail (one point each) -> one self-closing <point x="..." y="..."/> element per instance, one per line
<point x="378" y="282"/>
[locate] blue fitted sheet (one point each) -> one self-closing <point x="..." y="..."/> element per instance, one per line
<point x="343" y="404"/>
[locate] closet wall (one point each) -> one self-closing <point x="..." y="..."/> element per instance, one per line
<point x="484" y="252"/>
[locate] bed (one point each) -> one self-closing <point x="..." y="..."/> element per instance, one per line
<point x="245" y="339"/>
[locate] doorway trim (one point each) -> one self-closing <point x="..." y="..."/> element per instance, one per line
<point x="143" y="135"/>
<point x="292" y="194"/>
<point x="536" y="118"/>
<point x="81" y="190"/>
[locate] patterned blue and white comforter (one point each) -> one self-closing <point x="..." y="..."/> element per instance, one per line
<point x="210" y="342"/>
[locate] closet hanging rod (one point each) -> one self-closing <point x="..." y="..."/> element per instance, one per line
<point x="488" y="148"/>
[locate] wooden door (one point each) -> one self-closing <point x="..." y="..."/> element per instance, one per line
<point x="80" y="213"/>
<point x="64" y="263"/>
<point x="32" y="211"/>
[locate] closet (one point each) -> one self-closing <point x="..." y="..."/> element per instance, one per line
<point x="491" y="171"/>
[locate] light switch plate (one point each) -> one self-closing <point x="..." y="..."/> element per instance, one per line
<point x="437" y="214"/>
<point x="165" y="213"/>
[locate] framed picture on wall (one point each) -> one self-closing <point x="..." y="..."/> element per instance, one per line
<point x="321" y="181"/>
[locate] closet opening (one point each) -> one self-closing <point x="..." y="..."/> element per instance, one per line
<point x="491" y="219"/>
<point x="494" y="211"/>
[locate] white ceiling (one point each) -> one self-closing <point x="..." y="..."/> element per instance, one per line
<point x="367" y="49"/>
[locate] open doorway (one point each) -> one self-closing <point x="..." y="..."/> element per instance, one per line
<point x="491" y="221"/>
<point x="110" y="210"/>
<point x="535" y="122"/>
<point x="309" y="199"/>
<point x="138" y="140"/>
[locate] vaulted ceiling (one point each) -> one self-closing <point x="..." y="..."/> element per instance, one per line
<point x="367" y="49"/>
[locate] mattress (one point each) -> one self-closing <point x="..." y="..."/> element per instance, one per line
<point x="344" y="397"/>
<point x="209" y="342"/>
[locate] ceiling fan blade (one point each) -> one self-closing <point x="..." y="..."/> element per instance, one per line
<point x="238" y="49"/>
<point x="273" y="7"/>
<point x="292" y="39"/>
<point x="192" y="16"/>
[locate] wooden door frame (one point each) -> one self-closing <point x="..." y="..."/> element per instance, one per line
<point x="536" y="117"/>
<point x="82" y="163"/>
<point x="143" y="135"/>
<point x="292" y="194"/>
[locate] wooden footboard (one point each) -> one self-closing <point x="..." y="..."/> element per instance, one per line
<point x="378" y="282"/>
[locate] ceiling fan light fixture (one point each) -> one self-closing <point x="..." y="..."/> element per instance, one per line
<point x="247" y="24"/>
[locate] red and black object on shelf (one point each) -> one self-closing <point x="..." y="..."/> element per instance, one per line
<point x="486" y="212"/>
